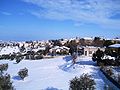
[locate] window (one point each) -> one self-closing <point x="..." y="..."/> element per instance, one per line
<point x="90" y="52"/>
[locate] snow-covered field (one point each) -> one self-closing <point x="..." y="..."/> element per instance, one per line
<point x="54" y="73"/>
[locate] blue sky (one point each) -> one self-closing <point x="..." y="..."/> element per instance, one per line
<point x="53" y="19"/>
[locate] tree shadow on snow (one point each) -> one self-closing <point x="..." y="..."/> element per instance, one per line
<point x="86" y="63"/>
<point x="16" y="78"/>
<point x="52" y="88"/>
<point x="66" y="67"/>
<point x="101" y="78"/>
<point x="67" y="58"/>
<point x="79" y="62"/>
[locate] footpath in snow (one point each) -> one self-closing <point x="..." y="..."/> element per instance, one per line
<point x="55" y="73"/>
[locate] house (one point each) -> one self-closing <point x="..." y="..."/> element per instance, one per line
<point x="88" y="40"/>
<point x="89" y="50"/>
<point x="58" y="49"/>
<point x="115" y="46"/>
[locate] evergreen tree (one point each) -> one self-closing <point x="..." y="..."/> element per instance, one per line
<point x="85" y="82"/>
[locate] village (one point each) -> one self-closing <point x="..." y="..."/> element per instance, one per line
<point x="83" y="46"/>
<point x="71" y="57"/>
<point x="38" y="49"/>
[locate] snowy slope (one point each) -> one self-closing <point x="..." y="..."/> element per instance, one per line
<point x="53" y="74"/>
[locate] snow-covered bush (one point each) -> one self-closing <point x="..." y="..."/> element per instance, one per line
<point x="12" y="57"/>
<point x="85" y="82"/>
<point x="3" y="67"/>
<point x="38" y="57"/>
<point x="19" y="58"/>
<point x="5" y="56"/>
<point x="23" y="73"/>
<point x="5" y="82"/>
<point x="109" y="71"/>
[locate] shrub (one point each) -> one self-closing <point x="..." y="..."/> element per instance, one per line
<point x="101" y="65"/>
<point x="5" y="56"/>
<point x="12" y="56"/>
<point x="23" y="73"/>
<point x="19" y="58"/>
<point x="85" y="82"/>
<point x="109" y="71"/>
<point x="3" y="67"/>
<point x="39" y="57"/>
<point x="27" y="57"/>
<point x="98" y="55"/>
<point x="5" y="82"/>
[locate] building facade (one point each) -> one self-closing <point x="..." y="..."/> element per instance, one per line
<point x="89" y="50"/>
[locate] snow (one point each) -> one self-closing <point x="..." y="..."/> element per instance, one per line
<point x="88" y="38"/>
<point x="9" y="50"/>
<point x="115" y="46"/>
<point x="54" y="73"/>
<point x="39" y="48"/>
<point x="108" y="57"/>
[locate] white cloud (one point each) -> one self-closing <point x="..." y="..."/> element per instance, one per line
<point x="85" y="11"/>
<point x="6" y="13"/>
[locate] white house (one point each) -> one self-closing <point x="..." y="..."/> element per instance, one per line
<point x="59" y="49"/>
<point x="89" y="50"/>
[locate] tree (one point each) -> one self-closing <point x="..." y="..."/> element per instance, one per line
<point x="56" y="43"/>
<point x="19" y="58"/>
<point x="98" y="42"/>
<point x="22" y="49"/>
<point x="5" y="82"/>
<point x="3" y="67"/>
<point x="46" y="51"/>
<point x="23" y="73"/>
<point x="107" y="43"/>
<point x="82" y="42"/>
<point x="85" y="82"/>
<point x="97" y="56"/>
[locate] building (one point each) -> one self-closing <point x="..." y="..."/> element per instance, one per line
<point x="89" y="50"/>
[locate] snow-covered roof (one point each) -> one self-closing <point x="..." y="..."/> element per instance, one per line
<point x="115" y="46"/>
<point x="8" y="50"/>
<point x="117" y="39"/>
<point x="40" y="48"/>
<point x="58" y="48"/>
<point x="88" y="38"/>
<point x="91" y="47"/>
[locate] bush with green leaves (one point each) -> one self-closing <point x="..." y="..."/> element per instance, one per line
<point x="5" y="82"/>
<point x="84" y="82"/>
<point x="23" y="73"/>
<point x="3" y="67"/>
